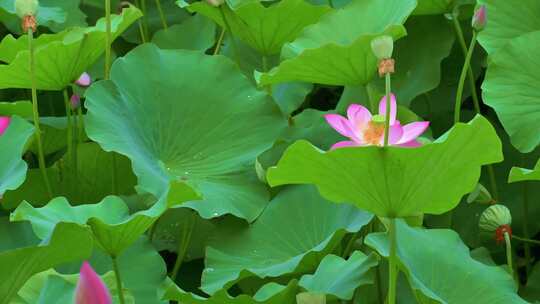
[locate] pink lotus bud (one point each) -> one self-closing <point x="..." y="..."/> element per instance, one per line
<point x="4" y="124"/>
<point x="75" y="101"/>
<point x="480" y="18"/>
<point x="84" y="80"/>
<point x="90" y="288"/>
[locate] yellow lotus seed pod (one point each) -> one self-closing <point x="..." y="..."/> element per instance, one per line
<point x="25" y="8"/>
<point x="382" y="47"/>
<point x="494" y="217"/>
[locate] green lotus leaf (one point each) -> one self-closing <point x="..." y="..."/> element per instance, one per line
<point x="112" y="225"/>
<point x="294" y="233"/>
<point x="423" y="253"/>
<point x="54" y="14"/>
<point x="271" y="293"/>
<point x="433" y="7"/>
<point x="395" y="182"/>
<point x="60" y="58"/>
<point x="265" y="29"/>
<point x="12" y="143"/>
<point x="195" y="33"/>
<point x="511" y="89"/>
<point x="66" y="242"/>
<point x="88" y="180"/>
<point x="22" y="108"/>
<point x="337" y="49"/>
<point x="340" y="278"/>
<point x="507" y="21"/>
<point x="418" y="57"/>
<point x="208" y="127"/>
<point x="521" y="174"/>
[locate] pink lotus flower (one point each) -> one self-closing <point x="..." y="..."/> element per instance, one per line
<point x="4" y="124"/>
<point x="479" y="19"/>
<point x="90" y="288"/>
<point x="364" y="129"/>
<point x="84" y="80"/>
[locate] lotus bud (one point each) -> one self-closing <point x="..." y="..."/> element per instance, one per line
<point x="90" y="288"/>
<point x="496" y="218"/>
<point x="75" y="101"/>
<point x="4" y="124"/>
<point x="480" y="18"/>
<point x="215" y="3"/>
<point x="84" y="80"/>
<point x="382" y="47"/>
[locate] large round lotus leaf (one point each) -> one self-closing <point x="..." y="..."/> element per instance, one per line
<point x="440" y="269"/>
<point x="60" y="58"/>
<point x="418" y="57"/>
<point x="208" y="127"/>
<point x="54" y="14"/>
<point x="511" y="88"/>
<point x="265" y="29"/>
<point x="66" y="243"/>
<point x="12" y="143"/>
<point x="522" y="174"/>
<point x="294" y="233"/>
<point x="337" y="49"/>
<point x="195" y="33"/>
<point x="112" y="225"/>
<point x="340" y="278"/>
<point x="508" y="20"/>
<point x="394" y="181"/>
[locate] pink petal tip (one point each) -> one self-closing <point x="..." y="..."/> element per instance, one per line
<point x="90" y="288"/>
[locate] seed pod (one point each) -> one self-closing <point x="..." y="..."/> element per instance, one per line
<point x="494" y="217"/>
<point x="382" y="47"/>
<point x="25" y="8"/>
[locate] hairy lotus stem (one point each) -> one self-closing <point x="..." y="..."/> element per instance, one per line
<point x="183" y="243"/>
<point x="35" y="110"/>
<point x="220" y="41"/>
<point x="525" y="224"/>
<point x="140" y="23"/>
<point x="119" y="287"/>
<point x="392" y="262"/>
<point x="70" y="149"/>
<point x="108" y="43"/>
<point x="509" y="253"/>
<point x="162" y="15"/>
<point x="461" y="83"/>
<point x="145" y="18"/>
<point x="526" y="240"/>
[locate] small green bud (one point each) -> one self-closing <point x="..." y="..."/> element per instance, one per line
<point x="25" y="8"/>
<point x="480" y="195"/>
<point x="494" y="217"/>
<point x="382" y="47"/>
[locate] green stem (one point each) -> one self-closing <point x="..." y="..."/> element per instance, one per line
<point x="140" y="23"/>
<point x="461" y="83"/>
<point x="69" y="129"/>
<point x="387" y="79"/>
<point x="118" y="280"/>
<point x="379" y="284"/>
<point x="220" y="41"/>
<point x="331" y="3"/>
<point x="509" y="253"/>
<point x="526" y="240"/>
<point x="183" y="244"/>
<point x="108" y="38"/>
<point x="145" y="18"/>
<point x="470" y="73"/>
<point x="493" y="182"/>
<point x="392" y="262"/>
<point x="525" y="223"/>
<point x="162" y="15"/>
<point x="35" y="112"/>
<point x="108" y="43"/>
<point x="81" y="124"/>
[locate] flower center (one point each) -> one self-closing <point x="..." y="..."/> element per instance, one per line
<point x="374" y="130"/>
